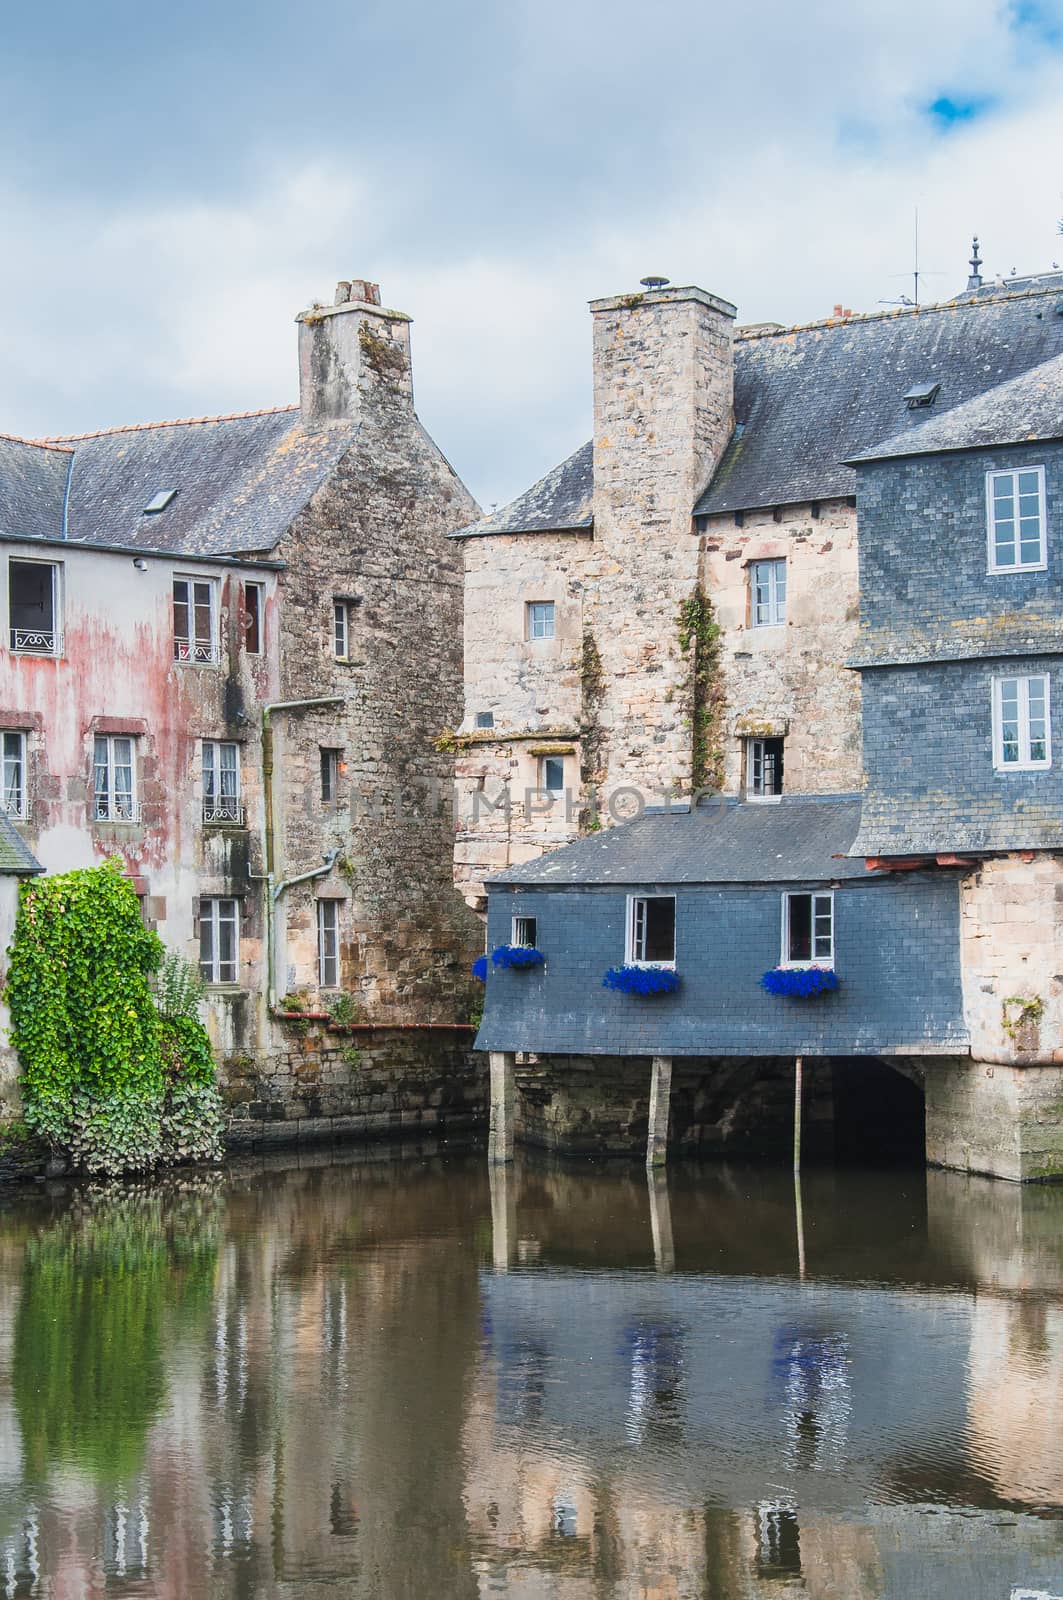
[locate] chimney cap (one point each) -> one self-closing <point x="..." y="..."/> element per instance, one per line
<point x="655" y="283"/>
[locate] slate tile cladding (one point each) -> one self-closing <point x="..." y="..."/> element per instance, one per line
<point x="928" y="754"/>
<point x="925" y="590"/>
<point x="897" y="948"/>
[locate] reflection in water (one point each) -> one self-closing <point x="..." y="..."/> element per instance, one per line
<point x="379" y="1379"/>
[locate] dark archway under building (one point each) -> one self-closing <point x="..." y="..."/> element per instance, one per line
<point x="879" y="1113"/>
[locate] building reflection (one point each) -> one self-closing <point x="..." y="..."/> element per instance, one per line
<point x="383" y="1379"/>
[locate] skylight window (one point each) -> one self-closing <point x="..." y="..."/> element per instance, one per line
<point x="922" y="394"/>
<point x="160" y="501"/>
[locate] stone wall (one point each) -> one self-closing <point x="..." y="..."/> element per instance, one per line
<point x="321" y="1083"/>
<point x="1004" y="1121"/>
<point x="1011" y="928"/>
<point x="375" y="538"/>
<point x="724" y="1106"/>
<point x="789" y="681"/>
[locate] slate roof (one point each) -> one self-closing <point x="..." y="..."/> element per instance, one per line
<point x="797" y="840"/>
<point x="32" y="487"/>
<point x="1028" y="407"/>
<point x="561" y="500"/>
<point x="240" y="480"/>
<point x="809" y="400"/>
<point x="15" y="854"/>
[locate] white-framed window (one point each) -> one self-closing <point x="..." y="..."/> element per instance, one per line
<point x="540" y="624"/>
<point x="1022" y="724"/>
<point x="808" y="929"/>
<point x="219" y="940"/>
<point x="764" y="764"/>
<point x="767" y="593"/>
<point x="524" y="931"/>
<point x="221" y="782"/>
<point x="328" y="944"/>
<point x="254" y="618"/>
<point x="114" y="797"/>
<point x="14" y="757"/>
<point x="33" y="605"/>
<point x="650" y="930"/>
<point x="331" y="771"/>
<point x="340" y="630"/>
<point x="552" y="774"/>
<point x="1015" y="513"/>
<point x="195" y="621"/>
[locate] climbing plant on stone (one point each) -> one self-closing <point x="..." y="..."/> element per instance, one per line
<point x="104" y="1078"/>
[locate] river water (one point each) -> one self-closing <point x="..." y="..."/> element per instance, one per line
<point x="387" y="1374"/>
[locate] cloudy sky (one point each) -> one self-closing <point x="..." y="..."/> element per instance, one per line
<point x="179" y="181"/>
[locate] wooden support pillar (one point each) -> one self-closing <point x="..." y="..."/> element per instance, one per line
<point x="798" y="1087"/>
<point x="660" y="1098"/>
<point x="503" y="1106"/>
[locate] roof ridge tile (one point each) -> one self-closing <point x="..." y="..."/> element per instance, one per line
<point x="58" y="440"/>
<point x="958" y="303"/>
<point x="38" y="444"/>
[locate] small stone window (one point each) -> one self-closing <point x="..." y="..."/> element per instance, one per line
<point x="650" y="930"/>
<point x="764" y="766"/>
<point x="540" y="619"/>
<point x="552" y="774"/>
<point x="1015" y="504"/>
<point x="524" y="932"/>
<point x="332" y="768"/>
<point x="341" y="627"/>
<point x="253" y="618"/>
<point x="767" y="593"/>
<point x="14" y="758"/>
<point x="328" y="944"/>
<point x="808" y="930"/>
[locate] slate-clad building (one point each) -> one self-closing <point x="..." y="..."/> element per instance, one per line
<point x="815" y="571"/>
<point x="219" y="631"/>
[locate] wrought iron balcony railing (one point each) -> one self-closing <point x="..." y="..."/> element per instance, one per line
<point x="201" y="652"/>
<point x="223" y="813"/>
<point x="37" y="641"/>
<point x="117" y="811"/>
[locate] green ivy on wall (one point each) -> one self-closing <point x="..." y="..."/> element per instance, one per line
<point x="105" y="1077"/>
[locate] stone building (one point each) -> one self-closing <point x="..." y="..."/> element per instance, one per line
<point x="221" y="634"/>
<point x="868" y="513"/>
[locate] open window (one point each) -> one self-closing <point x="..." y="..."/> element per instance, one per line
<point x="524" y="932"/>
<point x="33" y="608"/>
<point x="651" y="930"/>
<point x="764" y="765"/>
<point x="808" y="929"/>
<point x="253" y="619"/>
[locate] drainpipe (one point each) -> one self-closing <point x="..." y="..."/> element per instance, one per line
<point x="272" y="895"/>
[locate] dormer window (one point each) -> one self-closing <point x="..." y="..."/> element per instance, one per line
<point x="921" y="395"/>
<point x="159" y="502"/>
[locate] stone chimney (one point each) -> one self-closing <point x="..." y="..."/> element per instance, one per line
<point x="353" y="354"/>
<point x="663" y="404"/>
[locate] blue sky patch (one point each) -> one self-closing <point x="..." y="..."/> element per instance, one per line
<point x="948" y="110"/>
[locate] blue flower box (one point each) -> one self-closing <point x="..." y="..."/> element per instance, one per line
<point x="517" y="956"/>
<point x="800" y="983"/>
<point x="641" y="980"/>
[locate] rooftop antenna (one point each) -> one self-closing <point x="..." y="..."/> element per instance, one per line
<point x="655" y="283"/>
<point x="975" y="280"/>
<point x="915" y="275"/>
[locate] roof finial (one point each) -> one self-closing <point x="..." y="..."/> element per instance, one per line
<point x="975" y="280"/>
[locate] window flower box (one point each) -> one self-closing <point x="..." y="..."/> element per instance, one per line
<point x="517" y="956"/>
<point x="800" y="983"/>
<point x="641" y="980"/>
<point x="479" y="968"/>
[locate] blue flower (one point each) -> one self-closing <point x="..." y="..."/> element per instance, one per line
<point x="800" y="983"/>
<point x="641" y="980"/>
<point x="479" y="968"/>
<point x="517" y="955"/>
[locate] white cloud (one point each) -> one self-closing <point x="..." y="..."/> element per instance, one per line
<point x="773" y="155"/>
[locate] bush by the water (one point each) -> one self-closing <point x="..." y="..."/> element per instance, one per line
<point x="118" y="1076"/>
